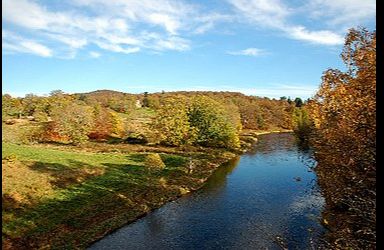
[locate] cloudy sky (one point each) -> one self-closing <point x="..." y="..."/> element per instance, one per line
<point x="267" y="48"/>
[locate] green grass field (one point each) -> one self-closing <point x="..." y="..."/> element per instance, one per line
<point x="62" y="199"/>
<point x="60" y="196"/>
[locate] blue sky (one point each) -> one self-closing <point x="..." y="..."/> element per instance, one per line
<point x="267" y="48"/>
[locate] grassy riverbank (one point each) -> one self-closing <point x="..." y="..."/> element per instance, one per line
<point x="68" y="197"/>
<point x="59" y="196"/>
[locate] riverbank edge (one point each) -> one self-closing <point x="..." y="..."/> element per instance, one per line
<point x="67" y="232"/>
<point x="215" y="165"/>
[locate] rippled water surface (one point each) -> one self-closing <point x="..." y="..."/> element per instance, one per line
<point x="265" y="199"/>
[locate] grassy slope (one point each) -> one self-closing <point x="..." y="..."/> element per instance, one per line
<point x="67" y="199"/>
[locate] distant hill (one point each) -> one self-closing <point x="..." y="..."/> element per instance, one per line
<point x="105" y="93"/>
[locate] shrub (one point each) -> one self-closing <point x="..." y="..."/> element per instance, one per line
<point x="136" y="138"/>
<point x="153" y="161"/>
<point x="40" y="116"/>
<point x="31" y="134"/>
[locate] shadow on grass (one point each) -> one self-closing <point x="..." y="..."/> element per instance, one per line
<point x="88" y="203"/>
<point x="65" y="175"/>
<point x="174" y="161"/>
<point x="139" y="157"/>
<point x="55" y="143"/>
<point x="82" y="211"/>
<point x="114" y="140"/>
<point x="11" y="202"/>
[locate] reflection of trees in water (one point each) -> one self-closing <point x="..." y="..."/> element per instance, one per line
<point x="155" y="223"/>
<point x="306" y="157"/>
<point x="219" y="177"/>
<point x="237" y="212"/>
<point x="275" y="142"/>
<point x="312" y="201"/>
<point x="350" y="208"/>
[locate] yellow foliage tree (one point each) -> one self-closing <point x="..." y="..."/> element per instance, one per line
<point x="344" y="114"/>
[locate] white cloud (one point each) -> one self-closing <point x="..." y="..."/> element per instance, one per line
<point x="343" y="13"/>
<point x="36" y="48"/>
<point x="94" y="54"/>
<point x="273" y="90"/>
<point x="248" y="52"/>
<point x="274" y="14"/>
<point x="271" y="13"/>
<point x="321" y="37"/>
<point x="172" y="43"/>
<point x="117" y="48"/>
<point x="118" y="26"/>
<point x="24" y="13"/>
<point x="278" y="91"/>
<point x="172" y="15"/>
<point x="208" y="21"/>
<point x="123" y="26"/>
<point x="16" y="44"/>
<point x="170" y="24"/>
<point x="73" y="42"/>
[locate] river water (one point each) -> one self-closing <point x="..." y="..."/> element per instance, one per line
<point x="266" y="199"/>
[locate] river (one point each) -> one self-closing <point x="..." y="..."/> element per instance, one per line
<point x="265" y="199"/>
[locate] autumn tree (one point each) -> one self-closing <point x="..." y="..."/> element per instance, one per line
<point x="153" y="101"/>
<point x="122" y="105"/>
<point x="57" y="100"/>
<point x="106" y="123"/>
<point x="214" y="124"/>
<point x="30" y="104"/>
<point x="11" y="107"/>
<point x="197" y="120"/>
<point x="298" y="102"/>
<point x="145" y="100"/>
<point x="255" y="112"/>
<point x="57" y="92"/>
<point x="344" y="113"/>
<point x="172" y="122"/>
<point x="71" y="121"/>
<point x="302" y="124"/>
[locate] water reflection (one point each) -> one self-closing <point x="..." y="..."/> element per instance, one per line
<point x="265" y="199"/>
<point x="219" y="177"/>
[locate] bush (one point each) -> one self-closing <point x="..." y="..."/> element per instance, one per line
<point x="136" y="138"/>
<point x="153" y="161"/>
<point x="40" y="116"/>
<point x="31" y="134"/>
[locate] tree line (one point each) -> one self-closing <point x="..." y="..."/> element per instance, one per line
<point x="211" y="119"/>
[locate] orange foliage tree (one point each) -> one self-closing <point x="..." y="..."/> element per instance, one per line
<point x="106" y="123"/>
<point x="344" y="114"/>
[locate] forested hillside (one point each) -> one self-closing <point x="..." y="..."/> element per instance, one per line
<point x="107" y="115"/>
